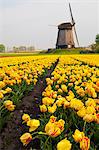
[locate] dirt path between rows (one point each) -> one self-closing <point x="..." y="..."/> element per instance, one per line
<point x="9" y="138"/>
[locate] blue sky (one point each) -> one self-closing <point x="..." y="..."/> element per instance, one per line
<point x="27" y="22"/>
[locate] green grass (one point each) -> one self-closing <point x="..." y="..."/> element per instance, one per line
<point x="62" y="51"/>
<point x="45" y="52"/>
<point x="17" y="54"/>
<point x="66" y="51"/>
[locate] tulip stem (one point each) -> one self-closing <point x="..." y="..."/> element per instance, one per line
<point x="42" y="133"/>
<point x="46" y="141"/>
<point x="44" y="116"/>
<point x="1" y="107"/>
<point x="35" y="137"/>
<point x="34" y="133"/>
<point x="84" y="126"/>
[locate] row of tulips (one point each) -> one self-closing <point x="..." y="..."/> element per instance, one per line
<point x="18" y="76"/>
<point x="71" y="101"/>
<point x="92" y="60"/>
<point x="11" y="61"/>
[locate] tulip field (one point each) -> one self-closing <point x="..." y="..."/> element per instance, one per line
<point x="49" y="102"/>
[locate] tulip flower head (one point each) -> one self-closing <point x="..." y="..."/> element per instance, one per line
<point x="25" y="117"/>
<point x="9" y="105"/>
<point x="64" y="145"/>
<point x="33" y="124"/>
<point x="78" y="135"/>
<point x="85" y="143"/>
<point x="26" y="138"/>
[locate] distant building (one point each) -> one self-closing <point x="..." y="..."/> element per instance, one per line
<point x="23" y="49"/>
<point x="31" y="48"/>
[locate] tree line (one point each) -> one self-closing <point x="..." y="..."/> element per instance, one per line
<point x="2" y="48"/>
<point x="94" y="47"/>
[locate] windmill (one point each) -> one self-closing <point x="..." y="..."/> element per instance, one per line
<point x="65" y="37"/>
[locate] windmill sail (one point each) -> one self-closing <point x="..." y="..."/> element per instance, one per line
<point x="65" y="37"/>
<point x="76" y="36"/>
<point x="73" y="24"/>
<point x="72" y="19"/>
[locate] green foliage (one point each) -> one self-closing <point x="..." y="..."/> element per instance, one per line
<point x="2" y="48"/>
<point x="97" y="39"/>
<point x="64" y="51"/>
<point x="16" y="95"/>
<point x="17" y="54"/>
<point x="97" y="48"/>
<point x="67" y="51"/>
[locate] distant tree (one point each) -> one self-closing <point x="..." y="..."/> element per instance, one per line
<point x="97" y="39"/>
<point x="2" y="48"/>
<point x="15" y="49"/>
<point x="95" y="47"/>
<point x="31" y="48"/>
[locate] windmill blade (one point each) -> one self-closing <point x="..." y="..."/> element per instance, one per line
<point x="72" y="19"/>
<point x="73" y="23"/>
<point x="76" y="36"/>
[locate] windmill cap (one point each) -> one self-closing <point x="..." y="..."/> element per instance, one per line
<point x="66" y="25"/>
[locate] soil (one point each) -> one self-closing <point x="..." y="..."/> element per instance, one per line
<point x="9" y="138"/>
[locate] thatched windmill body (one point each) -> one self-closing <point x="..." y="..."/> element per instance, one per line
<point x="65" y="37"/>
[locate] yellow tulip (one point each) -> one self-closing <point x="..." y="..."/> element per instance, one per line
<point x="64" y="145"/>
<point x="60" y="124"/>
<point x="25" y="117"/>
<point x="43" y="108"/>
<point x="90" y="102"/>
<point x="81" y="112"/>
<point x="90" y="110"/>
<point x="59" y="102"/>
<point x="47" y="101"/>
<point x="64" y="88"/>
<point x="8" y="90"/>
<point x="85" y="143"/>
<point x="4" y="92"/>
<point x="96" y="118"/>
<point x="53" y="119"/>
<point x="1" y="95"/>
<point x="76" y="104"/>
<point x="52" y="130"/>
<point x="9" y="105"/>
<point x="2" y="84"/>
<point x="54" y="96"/>
<point x="78" y="135"/>
<point x="52" y="109"/>
<point x="66" y="104"/>
<point x="88" y="118"/>
<point x="33" y="124"/>
<point x="26" y="138"/>
<point x="60" y="91"/>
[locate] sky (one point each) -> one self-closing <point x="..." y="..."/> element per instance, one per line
<point x="34" y="22"/>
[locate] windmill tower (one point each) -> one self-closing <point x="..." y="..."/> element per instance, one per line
<point x="65" y="37"/>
